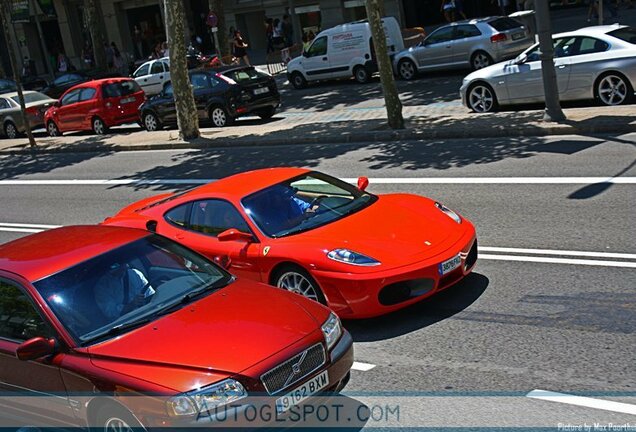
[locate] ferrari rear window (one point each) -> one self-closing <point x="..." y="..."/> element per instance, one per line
<point x="627" y="34"/>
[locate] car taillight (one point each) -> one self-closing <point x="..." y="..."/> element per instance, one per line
<point x="498" y="37"/>
<point x="32" y="110"/>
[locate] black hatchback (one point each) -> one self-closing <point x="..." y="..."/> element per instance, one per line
<point x="221" y="95"/>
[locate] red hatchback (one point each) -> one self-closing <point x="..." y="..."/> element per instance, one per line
<point x="93" y="317"/>
<point x="95" y="105"/>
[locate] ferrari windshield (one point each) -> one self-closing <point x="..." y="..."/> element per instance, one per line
<point x="128" y="286"/>
<point x="304" y="203"/>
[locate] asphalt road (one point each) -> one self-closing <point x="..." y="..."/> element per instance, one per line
<point x="471" y="355"/>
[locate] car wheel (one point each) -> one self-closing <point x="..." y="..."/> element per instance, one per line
<point x="99" y="127"/>
<point x="407" y="69"/>
<point x="220" y="117"/>
<point x="10" y="131"/>
<point x="613" y="89"/>
<point x="481" y="98"/>
<point x="151" y="122"/>
<point x="480" y="60"/>
<point x="361" y="74"/>
<point x="115" y="419"/>
<point x="297" y="280"/>
<point x="267" y="113"/>
<point x="52" y="129"/>
<point x="298" y="80"/>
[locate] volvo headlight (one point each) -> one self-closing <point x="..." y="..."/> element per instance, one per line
<point x="332" y="329"/>
<point x="350" y="257"/>
<point x="448" y="212"/>
<point x="207" y="398"/>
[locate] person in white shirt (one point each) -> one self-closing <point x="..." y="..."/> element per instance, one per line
<point x="121" y="290"/>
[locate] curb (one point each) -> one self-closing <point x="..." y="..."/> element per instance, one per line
<point x="358" y="137"/>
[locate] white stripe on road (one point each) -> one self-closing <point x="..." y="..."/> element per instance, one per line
<point x="583" y="401"/>
<point x="379" y="180"/>
<point x="362" y="366"/>
<point x="33" y="228"/>
<point x="600" y="263"/>
<point x="6" y="224"/>
<point x="558" y="252"/>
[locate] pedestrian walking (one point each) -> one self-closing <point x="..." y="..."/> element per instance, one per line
<point x="119" y="64"/>
<point x="448" y="9"/>
<point x="240" y="48"/>
<point x="288" y="31"/>
<point x="269" y="34"/>
<point x="110" y="55"/>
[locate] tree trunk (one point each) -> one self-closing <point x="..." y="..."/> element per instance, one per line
<point x="391" y="98"/>
<point x="553" y="110"/>
<point x="224" y="45"/>
<point x="97" y="35"/>
<point x="187" y="117"/>
<point x="5" y="16"/>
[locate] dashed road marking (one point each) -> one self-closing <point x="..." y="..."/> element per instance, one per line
<point x="583" y="401"/>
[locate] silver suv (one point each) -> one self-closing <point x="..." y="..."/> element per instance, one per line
<point x="473" y="43"/>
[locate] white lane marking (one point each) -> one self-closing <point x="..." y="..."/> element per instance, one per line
<point x="557" y="252"/>
<point x="24" y="230"/>
<point x="379" y="180"/>
<point x="583" y="401"/>
<point x="362" y="366"/>
<point x="21" y="225"/>
<point x="34" y="228"/>
<point x="600" y="263"/>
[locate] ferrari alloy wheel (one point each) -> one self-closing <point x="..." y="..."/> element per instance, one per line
<point x="406" y="69"/>
<point x="481" y="98"/>
<point x="99" y="127"/>
<point x="613" y="89"/>
<point x="480" y="60"/>
<point x="10" y="131"/>
<point x="52" y="129"/>
<point x="151" y="123"/>
<point x="300" y="282"/>
<point x="219" y="117"/>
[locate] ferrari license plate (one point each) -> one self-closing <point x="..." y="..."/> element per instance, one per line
<point x="450" y="265"/>
<point x="299" y="394"/>
<point x="260" y="91"/>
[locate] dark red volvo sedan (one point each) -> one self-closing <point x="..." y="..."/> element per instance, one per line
<point x="119" y="328"/>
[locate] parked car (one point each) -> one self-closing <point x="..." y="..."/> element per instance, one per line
<point x="221" y="95"/>
<point x="28" y="83"/>
<point x="95" y="105"/>
<point x="152" y="75"/>
<point x="475" y="44"/>
<point x="11" y="118"/>
<point x="343" y="51"/>
<point x="119" y="329"/>
<point x="364" y="255"/>
<point x="591" y="63"/>
<point x="64" y="82"/>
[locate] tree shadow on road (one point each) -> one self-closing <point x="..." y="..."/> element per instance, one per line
<point x="444" y="305"/>
<point x="17" y="165"/>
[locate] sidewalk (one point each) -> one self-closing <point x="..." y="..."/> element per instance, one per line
<point x="346" y="126"/>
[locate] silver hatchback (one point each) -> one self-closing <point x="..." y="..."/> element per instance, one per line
<point x="473" y="43"/>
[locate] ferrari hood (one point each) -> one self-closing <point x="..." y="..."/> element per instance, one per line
<point x="227" y="331"/>
<point x="397" y="230"/>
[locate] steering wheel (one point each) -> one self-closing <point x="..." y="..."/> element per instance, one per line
<point x="316" y="201"/>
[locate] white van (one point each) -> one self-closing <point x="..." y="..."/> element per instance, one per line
<point x="343" y="51"/>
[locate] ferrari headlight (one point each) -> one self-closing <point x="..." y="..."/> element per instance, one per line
<point x="332" y="329"/>
<point x="350" y="257"/>
<point x="448" y="212"/>
<point x="206" y="399"/>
